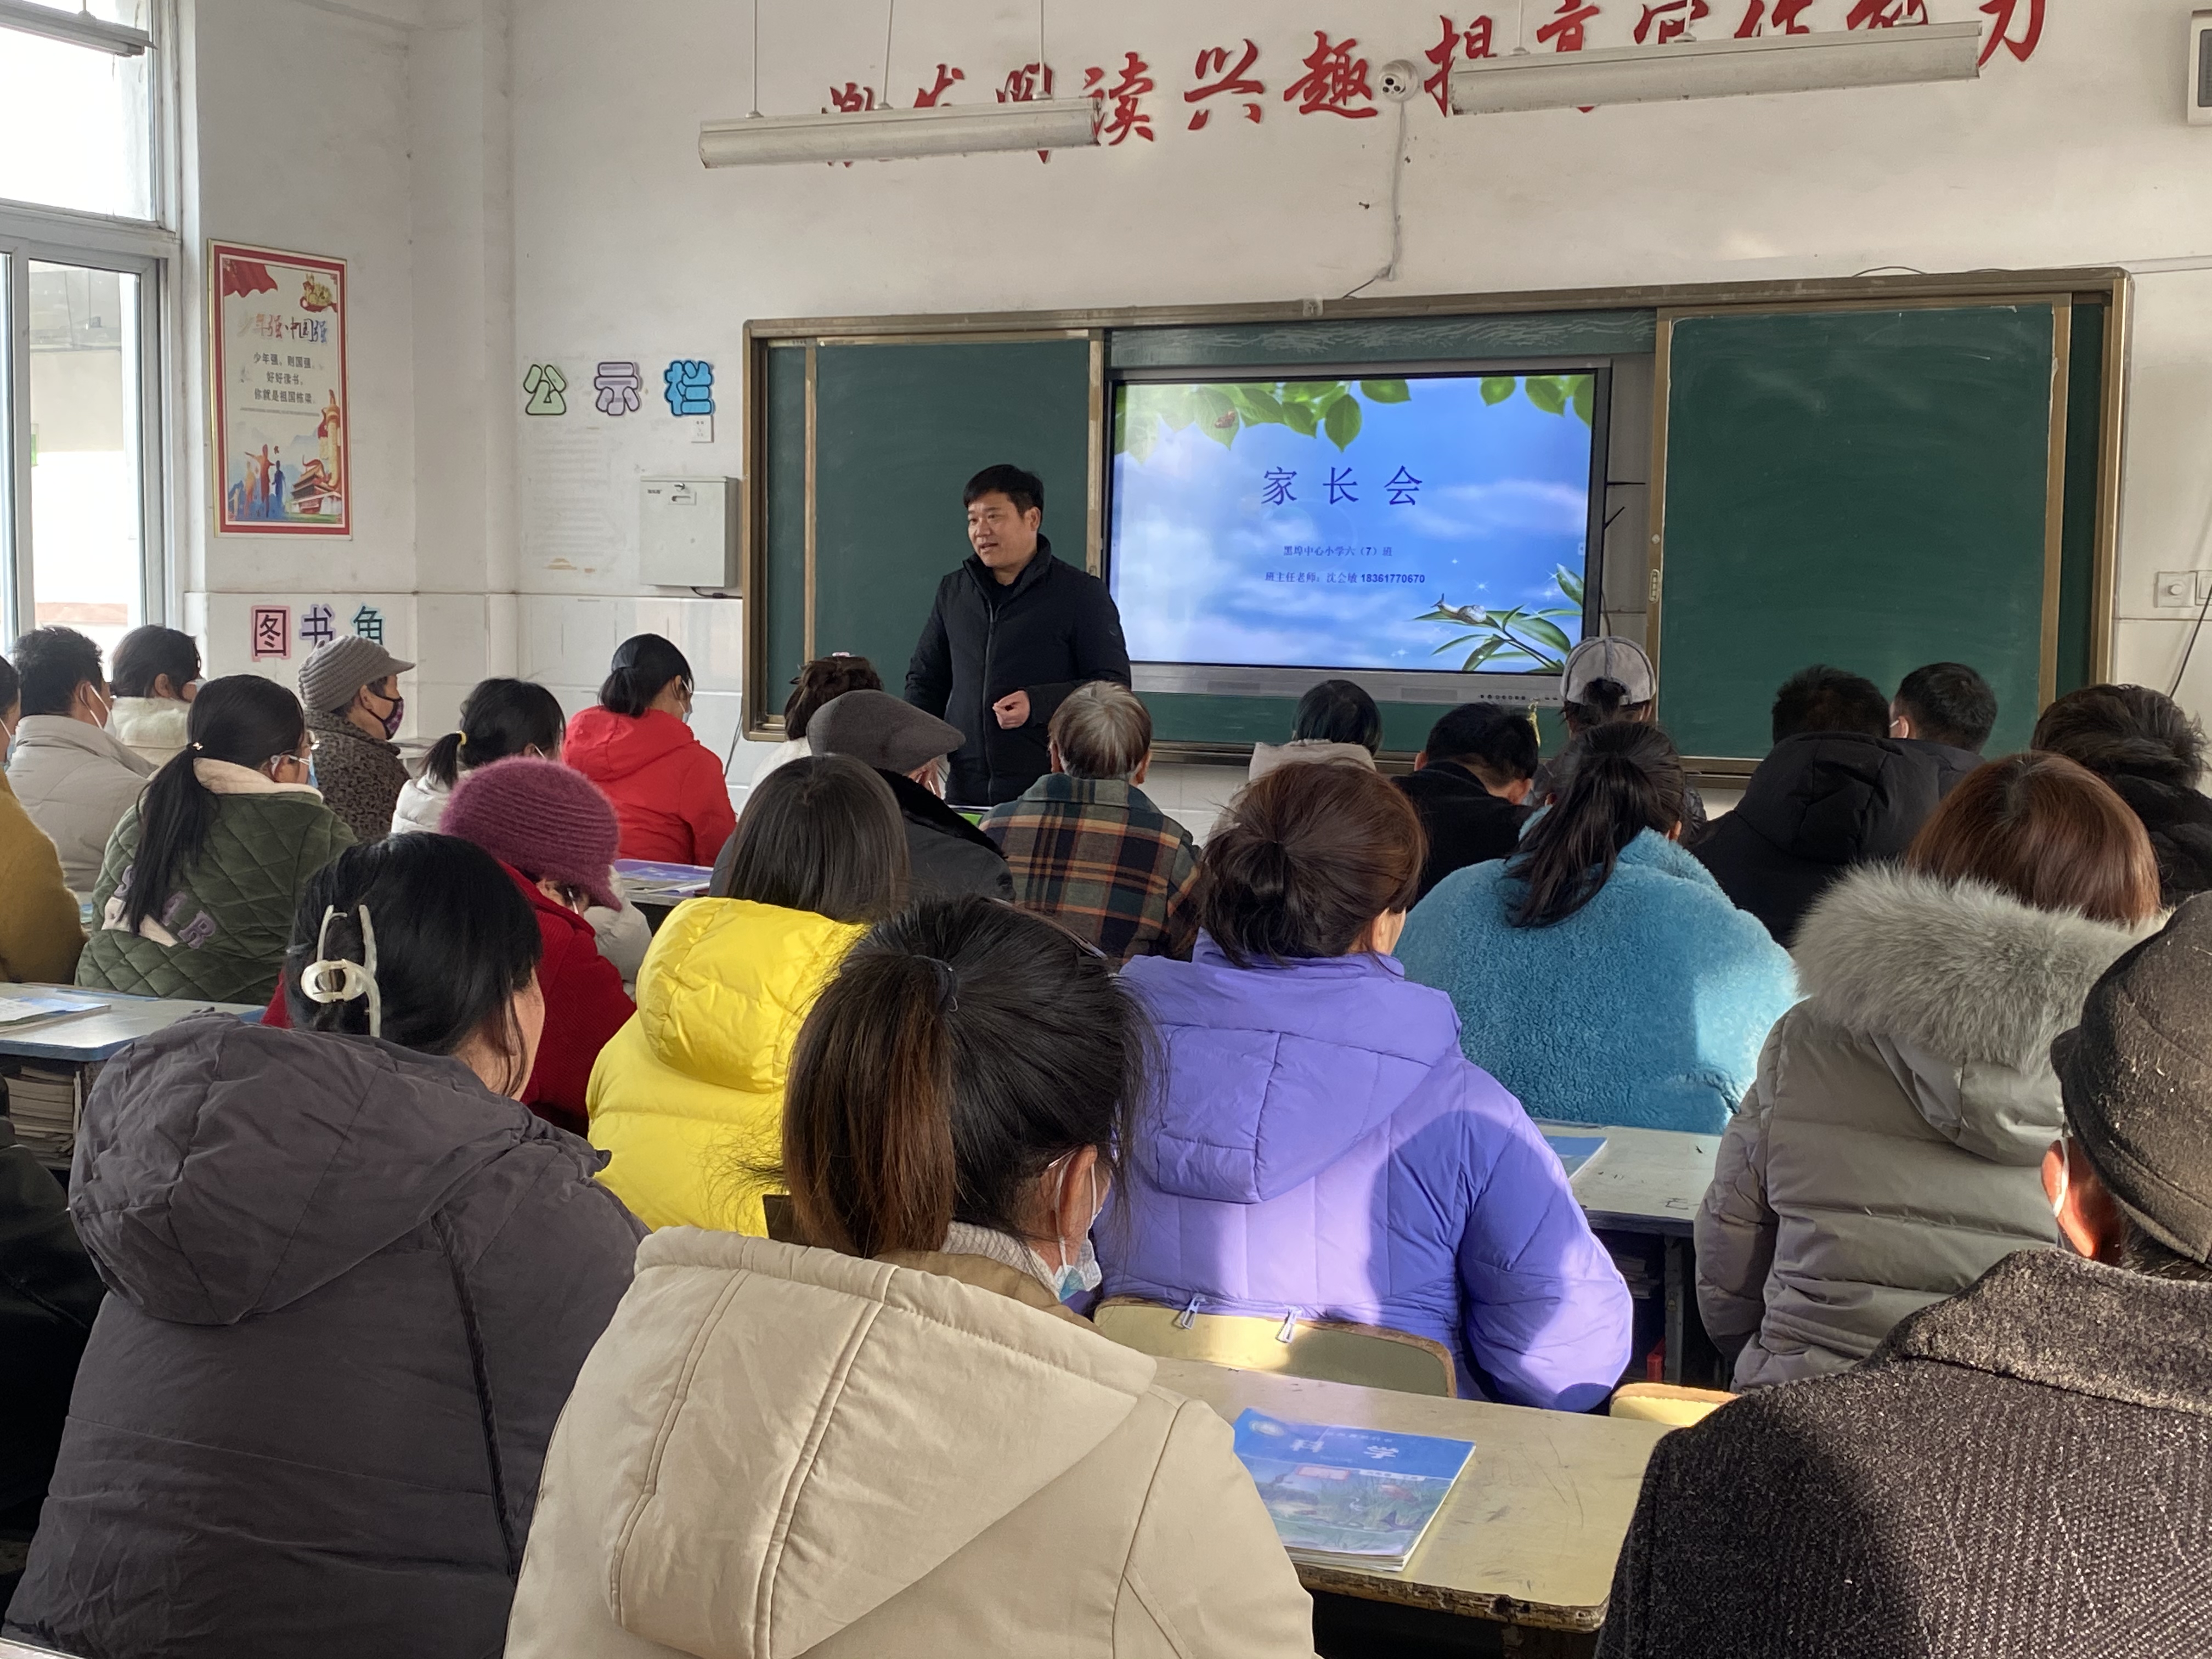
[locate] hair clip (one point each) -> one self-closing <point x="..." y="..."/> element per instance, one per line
<point x="327" y="980"/>
<point x="948" y="985"/>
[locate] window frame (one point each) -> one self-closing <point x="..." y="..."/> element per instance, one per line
<point x="149" y="250"/>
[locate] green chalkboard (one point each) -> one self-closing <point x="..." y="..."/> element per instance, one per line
<point x="1864" y="488"/>
<point x="898" y="430"/>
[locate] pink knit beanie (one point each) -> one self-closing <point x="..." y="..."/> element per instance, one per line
<point x="544" y="818"/>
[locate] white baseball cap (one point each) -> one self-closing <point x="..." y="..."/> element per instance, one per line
<point x="1608" y="658"/>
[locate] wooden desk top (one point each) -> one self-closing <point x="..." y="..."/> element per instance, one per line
<point x="1645" y="1180"/>
<point x="84" y="1038"/>
<point x="1530" y="1533"/>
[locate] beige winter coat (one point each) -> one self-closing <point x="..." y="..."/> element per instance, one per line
<point x="76" y="781"/>
<point x="775" y="1451"/>
<point x="1274" y="757"/>
<point x="1889" y="1153"/>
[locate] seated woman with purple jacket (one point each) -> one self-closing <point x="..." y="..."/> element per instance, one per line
<point x="1320" y="1147"/>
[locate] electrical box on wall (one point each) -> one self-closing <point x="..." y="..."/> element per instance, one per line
<point x="688" y="533"/>
<point x="2200" y="69"/>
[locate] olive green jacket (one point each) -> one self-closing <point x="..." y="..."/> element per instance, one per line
<point x="221" y="934"/>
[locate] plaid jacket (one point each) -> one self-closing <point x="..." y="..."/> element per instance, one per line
<point x="1099" y="859"/>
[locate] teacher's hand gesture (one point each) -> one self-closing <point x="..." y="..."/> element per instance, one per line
<point x="1012" y="710"/>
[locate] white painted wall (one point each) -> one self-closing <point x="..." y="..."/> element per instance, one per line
<point x="572" y="131"/>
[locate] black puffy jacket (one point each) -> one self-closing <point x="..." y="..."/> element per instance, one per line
<point x="1052" y="628"/>
<point x="352" y="1288"/>
<point x="49" y="1294"/>
<point x="1819" y="803"/>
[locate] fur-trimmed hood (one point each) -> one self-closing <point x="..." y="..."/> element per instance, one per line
<point x="1957" y="969"/>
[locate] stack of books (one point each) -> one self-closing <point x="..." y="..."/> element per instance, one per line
<point x="1348" y="1497"/>
<point x="44" y="1103"/>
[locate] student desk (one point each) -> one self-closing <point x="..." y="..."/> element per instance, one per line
<point x="658" y="889"/>
<point x="1530" y="1533"/>
<point x="84" y="1042"/>
<point x="1650" y="1182"/>
<point x="17" y="1650"/>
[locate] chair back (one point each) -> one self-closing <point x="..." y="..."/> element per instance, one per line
<point x="1325" y="1350"/>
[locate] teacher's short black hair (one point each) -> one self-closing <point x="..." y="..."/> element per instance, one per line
<point x="1018" y="484"/>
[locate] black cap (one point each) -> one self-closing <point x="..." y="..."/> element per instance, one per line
<point x="2137" y="1076"/>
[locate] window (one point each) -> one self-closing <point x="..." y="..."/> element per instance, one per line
<point x="81" y="272"/>
<point x="76" y="122"/>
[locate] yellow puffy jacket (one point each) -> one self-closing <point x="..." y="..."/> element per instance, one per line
<point x="690" y="1091"/>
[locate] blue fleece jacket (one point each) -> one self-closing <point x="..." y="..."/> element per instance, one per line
<point x="1647" y="1008"/>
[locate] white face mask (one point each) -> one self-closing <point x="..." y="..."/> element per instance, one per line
<point x="1084" y="1273"/>
<point x="2065" y="1176"/>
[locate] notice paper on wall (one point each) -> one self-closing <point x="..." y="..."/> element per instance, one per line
<point x="1348" y="1497"/>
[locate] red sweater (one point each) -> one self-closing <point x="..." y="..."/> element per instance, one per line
<point x="666" y="785"/>
<point x="585" y="1005"/>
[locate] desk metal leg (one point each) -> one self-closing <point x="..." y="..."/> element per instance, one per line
<point x="1678" y="1291"/>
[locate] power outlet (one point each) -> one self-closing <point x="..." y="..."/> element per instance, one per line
<point x="2180" y="588"/>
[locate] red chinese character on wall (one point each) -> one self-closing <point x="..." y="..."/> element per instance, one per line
<point x="927" y="97"/>
<point x="1673" y="19"/>
<point x="1886" y="14"/>
<point x="1123" y="117"/>
<point x="1227" y="83"/>
<point x="1332" y="79"/>
<point x="851" y="98"/>
<point x="1025" y="86"/>
<point x="1569" y="30"/>
<point x="1787" y="13"/>
<point x="1472" y="43"/>
<point x="2000" y="31"/>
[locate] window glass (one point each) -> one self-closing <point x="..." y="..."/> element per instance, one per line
<point x="87" y="480"/>
<point x="76" y="123"/>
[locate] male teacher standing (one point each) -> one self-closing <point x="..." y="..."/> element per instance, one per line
<point x="1013" y="631"/>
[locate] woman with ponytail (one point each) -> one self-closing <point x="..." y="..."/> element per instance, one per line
<point x="195" y="897"/>
<point x="637" y="746"/>
<point x="352" y="1280"/>
<point x="1313" y="1094"/>
<point x="1601" y="973"/>
<point x="501" y="720"/>
<point x="901" y="1441"/>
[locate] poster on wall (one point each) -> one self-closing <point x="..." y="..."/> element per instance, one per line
<point x="280" y="394"/>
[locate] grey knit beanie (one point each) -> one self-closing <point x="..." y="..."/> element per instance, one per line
<point x="330" y="678"/>
<point x="2137" y="1076"/>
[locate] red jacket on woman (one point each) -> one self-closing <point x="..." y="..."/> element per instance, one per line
<point x="665" y="785"/>
<point x="585" y="1006"/>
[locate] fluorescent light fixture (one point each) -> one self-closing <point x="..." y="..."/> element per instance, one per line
<point x="79" y="28"/>
<point x="892" y="135"/>
<point x="1719" y="69"/>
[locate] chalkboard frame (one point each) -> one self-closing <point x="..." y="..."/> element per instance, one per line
<point x="2110" y="287"/>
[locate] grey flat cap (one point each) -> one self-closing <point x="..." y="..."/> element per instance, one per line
<point x="330" y="678"/>
<point x="880" y="730"/>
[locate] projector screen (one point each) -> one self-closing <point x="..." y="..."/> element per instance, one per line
<point x="1433" y="523"/>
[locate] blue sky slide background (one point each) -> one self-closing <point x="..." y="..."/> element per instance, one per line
<point x="1504" y="499"/>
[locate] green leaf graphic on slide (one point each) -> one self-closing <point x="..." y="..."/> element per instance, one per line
<point x="1342" y="421"/>
<point x="1540" y="644"/>
<point x="1331" y="408"/>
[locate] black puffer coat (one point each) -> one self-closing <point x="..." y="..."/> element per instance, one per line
<point x="1819" y="804"/>
<point x="1051" y="629"/>
<point x="352" y="1289"/>
<point x="2179" y="820"/>
<point x="2023" y="1471"/>
<point x="49" y="1294"/>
